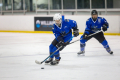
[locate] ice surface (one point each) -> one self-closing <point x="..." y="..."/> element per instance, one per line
<point x="18" y="52"/>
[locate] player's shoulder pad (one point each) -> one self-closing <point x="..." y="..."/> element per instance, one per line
<point x="66" y="20"/>
<point x="53" y="26"/>
<point x="101" y="17"/>
<point x="88" y="20"/>
<point x="69" y="21"/>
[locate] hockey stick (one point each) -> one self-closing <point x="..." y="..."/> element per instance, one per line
<point x="38" y="62"/>
<point x="87" y="36"/>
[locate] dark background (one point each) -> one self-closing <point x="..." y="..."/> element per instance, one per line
<point x="41" y="28"/>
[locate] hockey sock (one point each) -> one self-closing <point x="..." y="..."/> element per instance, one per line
<point x="106" y="46"/>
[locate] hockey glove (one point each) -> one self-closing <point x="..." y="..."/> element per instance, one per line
<point x="85" y="36"/>
<point x="76" y="32"/>
<point x="61" y="43"/>
<point x="104" y="28"/>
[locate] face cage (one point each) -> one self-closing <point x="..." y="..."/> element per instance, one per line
<point x="58" y="24"/>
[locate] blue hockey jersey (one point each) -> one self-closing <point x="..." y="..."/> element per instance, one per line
<point x="94" y="26"/>
<point x="64" y="31"/>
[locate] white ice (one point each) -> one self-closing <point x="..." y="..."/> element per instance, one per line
<point x="18" y="52"/>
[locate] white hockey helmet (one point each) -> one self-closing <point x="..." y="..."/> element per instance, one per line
<point x="57" y="17"/>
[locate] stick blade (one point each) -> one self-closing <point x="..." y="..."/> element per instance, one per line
<point x="37" y="62"/>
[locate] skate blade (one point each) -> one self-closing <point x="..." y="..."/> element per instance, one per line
<point x="81" y="54"/>
<point x="54" y="65"/>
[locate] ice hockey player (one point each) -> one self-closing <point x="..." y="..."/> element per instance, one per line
<point x="63" y="32"/>
<point x="93" y="25"/>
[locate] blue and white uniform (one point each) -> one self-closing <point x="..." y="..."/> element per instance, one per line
<point x="92" y="27"/>
<point x="63" y="33"/>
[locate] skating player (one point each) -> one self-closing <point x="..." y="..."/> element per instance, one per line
<point x="63" y="32"/>
<point x="93" y="25"/>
